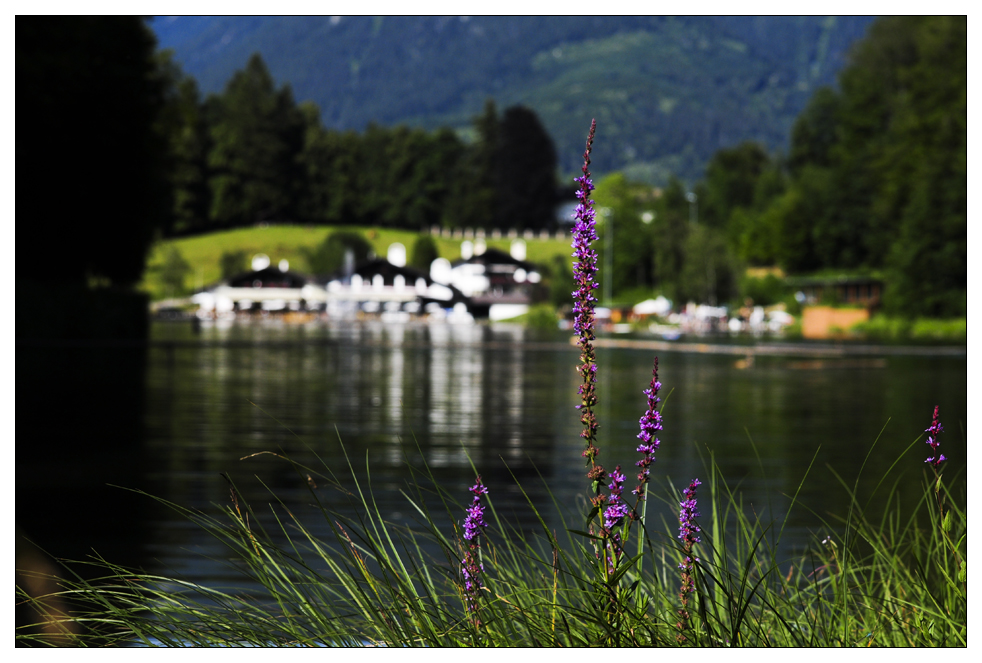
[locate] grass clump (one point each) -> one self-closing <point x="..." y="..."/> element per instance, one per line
<point x="889" y="582"/>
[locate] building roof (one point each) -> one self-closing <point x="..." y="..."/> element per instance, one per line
<point x="493" y="256"/>
<point x="370" y="268"/>
<point x="270" y="277"/>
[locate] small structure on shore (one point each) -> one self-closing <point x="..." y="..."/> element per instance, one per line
<point x="500" y="285"/>
<point x="374" y="286"/>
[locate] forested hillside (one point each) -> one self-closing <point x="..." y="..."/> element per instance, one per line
<point x="670" y="92"/>
<point x="875" y="183"/>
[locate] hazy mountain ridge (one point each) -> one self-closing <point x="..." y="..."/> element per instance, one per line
<point x="667" y="92"/>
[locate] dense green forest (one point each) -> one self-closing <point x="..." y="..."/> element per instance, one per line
<point x="251" y="154"/>
<point x="874" y="182"/>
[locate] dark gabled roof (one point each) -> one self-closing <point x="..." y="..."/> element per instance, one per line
<point x="370" y="268"/>
<point x="270" y="277"/>
<point x="493" y="256"/>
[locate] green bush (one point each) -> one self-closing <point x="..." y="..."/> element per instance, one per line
<point x="559" y="274"/>
<point x="424" y="253"/>
<point x="890" y="329"/>
<point x="940" y="330"/>
<point x="541" y="316"/>
<point x="764" y="291"/>
<point x="173" y="272"/>
<point x="233" y="263"/>
<point x="328" y="256"/>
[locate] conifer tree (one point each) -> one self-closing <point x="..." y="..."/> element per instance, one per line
<point x="258" y="137"/>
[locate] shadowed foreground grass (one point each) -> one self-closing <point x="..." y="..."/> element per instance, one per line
<point x="893" y="582"/>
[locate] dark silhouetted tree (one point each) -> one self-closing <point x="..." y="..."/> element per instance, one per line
<point x="92" y="187"/>
<point x="527" y="171"/>
<point x="473" y="198"/>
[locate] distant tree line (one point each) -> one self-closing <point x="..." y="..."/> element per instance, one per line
<point x="874" y="181"/>
<point x="251" y="154"/>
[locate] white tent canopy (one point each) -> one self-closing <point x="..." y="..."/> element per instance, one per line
<point x="659" y="306"/>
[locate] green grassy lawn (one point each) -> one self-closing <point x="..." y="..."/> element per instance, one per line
<point x="289" y="242"/>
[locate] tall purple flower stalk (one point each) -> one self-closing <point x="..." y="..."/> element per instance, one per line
<point x="471" y="567"/>
<point x="584" y="274"/>
<point x="689" y="534"/>
<point x="650" y="424"/>
<point x="932" y="439"/>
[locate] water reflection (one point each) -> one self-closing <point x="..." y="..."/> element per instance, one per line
<point x="395" y="397"/>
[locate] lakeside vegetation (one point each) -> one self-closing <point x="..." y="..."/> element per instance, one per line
<point x="891" y="579"/>
<point x="885" y="328"/>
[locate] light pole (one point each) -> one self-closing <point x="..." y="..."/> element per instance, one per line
<point x="608" y="215"/>
<point x="710" y="268"/>
<point x="693" y="209"/>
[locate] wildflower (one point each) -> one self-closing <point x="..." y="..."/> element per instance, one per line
<point x="584" y="273"/>
<point x="471" y="567"/>
<point x="617" y="510"/>
<point x="475" y="512"/>
<point x="650" y="423"/>
<point x="688" y="533"/>
<point x="688" y="511"/>
<point x="932" y="440"/>
<point x="614" y="516"/>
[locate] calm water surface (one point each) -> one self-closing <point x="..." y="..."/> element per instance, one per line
<point x="396" y="397"/>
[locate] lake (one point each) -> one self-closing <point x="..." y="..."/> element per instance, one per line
<point x="395" y="397"/>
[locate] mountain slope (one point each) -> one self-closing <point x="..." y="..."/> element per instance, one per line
<point x="667" y="92"/>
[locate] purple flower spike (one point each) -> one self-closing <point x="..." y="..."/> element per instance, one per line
<point x="616" y="510"/>
<point x="584" y="275"/>
<point x="650" y="423"/>
<point x="932" y="440"/>
<point x="688" y="512"/>
<point x="471" y="567"/>
<point x="475" y="512"/>
<point x="688" y="530"/>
